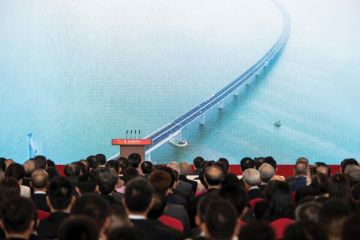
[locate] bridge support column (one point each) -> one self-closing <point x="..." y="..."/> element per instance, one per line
<point x="221" y="105"/>
<point x="148" y="157"/>
<point x="202" y="119"/>
<point x="237" y="92"/>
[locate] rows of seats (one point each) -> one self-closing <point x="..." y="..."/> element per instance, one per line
<point x="129" y="198"/>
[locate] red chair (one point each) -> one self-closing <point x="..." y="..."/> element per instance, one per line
<point x="42" y="214"/>
<point x="254" y="201"/>
<point x="172" y="222"/>
<point x="293" y="195"/>
<point x="280" y="225"/>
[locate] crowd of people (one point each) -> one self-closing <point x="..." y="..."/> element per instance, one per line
<point x="132" y="199"/>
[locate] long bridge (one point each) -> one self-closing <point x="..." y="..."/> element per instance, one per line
<point x="174" y="128"/>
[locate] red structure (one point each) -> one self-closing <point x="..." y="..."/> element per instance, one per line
<point x="128" y="146"/>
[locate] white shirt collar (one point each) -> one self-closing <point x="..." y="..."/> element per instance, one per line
<point x="136" y="217"/>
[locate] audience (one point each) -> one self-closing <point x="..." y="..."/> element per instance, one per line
<point x="129" y="198"/>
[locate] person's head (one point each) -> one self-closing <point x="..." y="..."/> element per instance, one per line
<point x="72" y="171"/>
<point x="355" y="191"/>
<point x="101" y="159"/>
<point x="258" y="161"/>
<point x="106" y="180"/>
<point x="172" y="173"/>
<point x="231" y="179"/>
<point x="161" y="181"/>
<point x="60" y="194"/>
<point x="2" y="164"/>
<point x="139" y="196"/>
<point x="147" y="167"/>
<point x="129" y="174"/>
<point x="79" y="227"/>
<point x="9" y="188"/>
<point x="303" y="160"/>
<point x="52" y="172"/>
<point x="213" y="176"/>
<point x="174" y="166"/>
<point x="50" y="163"/>
<point x="29" y="167"/>
<point x="15" y="170"/>
<point x="114" y="164"/>
<point x="251" y="177"/>
<point x="300" y="168"/>
<point x="353" y="173"/>
<point x="93" y="206"/>
<point x="126" y="233"/>
<point x="246" y="163"/>
<point x="41" y="161"/>
<point x="346" y="162"/>
<point x="40" y="179"/>
<point x="185" y="168"/>
<point x="339" y="187"/>
<point x="220" y="220"/>
<point x="320" y="167"/>
<point x="351" y="230"/>
<point x="224" y="162"/>
<point x="134" y="160"/>
<point x="305" y="230"/>
<point x="308" y="211"/>
<point x="270" y="160"/>
<point x="85" y="186"/>
<point x="198" y="161"/>
<point x="17" y="217"/>
<point x="257" y="230"/>
<point x="123" y="163"/>
<point x="281" y="204"/>
<point x="266" y="172"/>
<point x="332" y="216"/>
<point x="235" y="195"/>
<point x="92" y="161"/>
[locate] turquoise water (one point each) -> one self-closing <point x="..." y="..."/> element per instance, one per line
<point x="78" y="73"/>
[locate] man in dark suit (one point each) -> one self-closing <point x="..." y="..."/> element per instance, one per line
<point x="184" y="171"/>
<point x="139" y="200"/>
<point x="300" y="178"/>
<point x="60" y="199"/>
<point x="251" y="178"/>
<point x="198" y="162"/>
<point x="40" y="182"/>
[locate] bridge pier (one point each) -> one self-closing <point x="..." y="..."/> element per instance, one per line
<point x="202" y="119"/>
<point x="237" y="92"/>
<point x="148" y="157"/>
<point x="221" y="105"/>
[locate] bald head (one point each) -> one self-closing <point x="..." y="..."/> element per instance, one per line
<point x="214" y="175"/>
<point x="174" y="166"/>
<point x="251" y="177"/>
<point x="30" y="167"/>
<point x="184" y="168"/>
<point x="39" y="179"/>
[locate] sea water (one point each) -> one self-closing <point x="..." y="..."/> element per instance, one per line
<point x="78" y="73"/>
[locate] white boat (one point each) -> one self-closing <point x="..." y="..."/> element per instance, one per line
<point x="178" y="143"/>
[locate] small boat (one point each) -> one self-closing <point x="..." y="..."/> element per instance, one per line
<point x="277" y="124"/>
<point x="178" y="143"/>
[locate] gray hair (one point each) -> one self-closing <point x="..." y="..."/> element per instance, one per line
<point x="251" y="177"/>
<point x="266" y="172"/>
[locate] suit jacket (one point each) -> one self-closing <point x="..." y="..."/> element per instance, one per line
<point x="155" y="230"/>
<point x="48" y="227"/>
<point x="297" y="182"/>
<point x="255" y="193"/>
<point x="179" y="212"/>
<point x="39" y="200"/>
<point x="193" y="183"/>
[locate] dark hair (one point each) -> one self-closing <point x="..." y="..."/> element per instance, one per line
<point x="333" y="210"/>
<point x="270" y="160"/>
<point x="123" y="163"/>
<point x="236" y="195"/>
<point x="339" y="187"/>
<point x="72" y="171"/>
<point x="86" y="185"/>
<point x="220" y="219"/>
<point x="231" y="179"/>
<point x="346" y="162"/>
<point x="41" y="161"/>
<point x="258" y="162"/>
<point x="60" y="192"/>
<point x="308" y="211"/>
<point x="9" y="188"/>
<point x="281" y="204"/>
<point x="80" y="228"/>
<point x="138" y="195"/>
<point x="171" y="172"/>
<point x="113" y="164"/>
<point x="158" y="207"/>
<point x="17" y="214"/>
<point x="15" y="170"/>
<point x="106" y="180"/>
<point x="198" y="162"/>
<point x="84" y="169"/>
<point x="305" y="230"/>
<point x="314" y="168"/>
<point x="126" y="233"/>
<point x="100" y="159"/>
<point x="2" y="164"/>
<point x="40" y="178"/>
<point x="257" y="230"/>
<point x="224" y="162"/>
<point x="351" y="230"/>
<point x="129" y="174"/>
<point x="134" y="160"/>
<point x="92" y="205"/>
<point x="147" y="167"/>
<point x="213" y="175"/>
<point x="92" y="161"/>
<point x="161" y="181"/>
<point x="246" y="163"/>
<point x="52" y="172"/>
<point x="203" y="204"/>
<point x="50" y="163"/>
